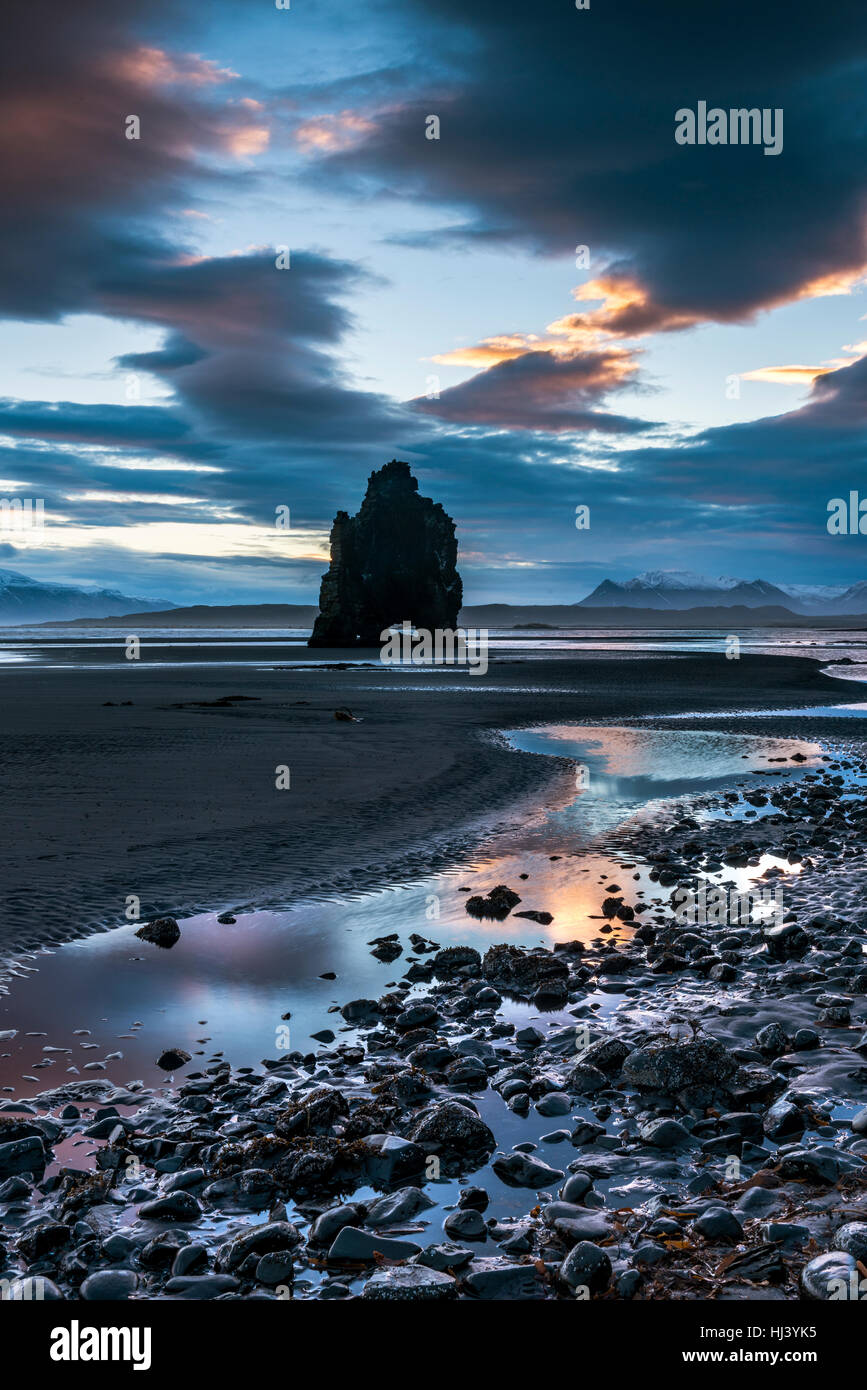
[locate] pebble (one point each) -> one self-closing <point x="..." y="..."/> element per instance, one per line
<point x="852" y="1238"/>
<point x="588" y="1266"/>
<point x="109" y="1285"/>
<point x="718" y="1223"/>
<point x="830" y="1276"/>
<point x="465" y="1225"/>
<point x="354" y="1244"/>
<point x="520" y="1170"/>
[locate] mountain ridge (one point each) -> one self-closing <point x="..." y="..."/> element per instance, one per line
<point x="565" y="617"/>
<point x="681" y="589"/>
<point x="24" y="600"/>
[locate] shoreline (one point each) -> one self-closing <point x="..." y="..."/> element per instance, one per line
<point x="704" y="1137"/>
<point x="646" y="1110"/>
<point x="171" y="797"/>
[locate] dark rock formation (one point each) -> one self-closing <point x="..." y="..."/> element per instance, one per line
<point x="394" y="560"/>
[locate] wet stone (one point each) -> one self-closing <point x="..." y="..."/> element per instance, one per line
<point x="587" y="1265"/>
<point x="830" y="1276"/>
<point x="497" y="1279"/>
<point x="445" y="1256"/>
<point x="354" y="1244"/>
<point x="465" y="1225"/>
<point x="411" y="1283"/>
<point x="109" y="1285"/>
<point x="852" y="1238"/>
<point x="521" y="1170"/>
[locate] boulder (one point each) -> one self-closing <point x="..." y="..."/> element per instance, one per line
<point x="315" y="1114"/>
<point x="259" y="1240"/>
<point x="455" y="959"/>
<point x="852" y="1238"/>
<point x="453" y="1129"/>
<point x="525" y="972"/>
<point x="523" y="1170"/>
<point x="586" y="1266"/>
<point x="352" y="1243"/>
<point x="22" y="1156"/>
<point x="163" y="932"/>
<point x="671" y="1067"/>
<point x="173" y="1058"/>
<point x="409" y="1284"/>
<point x="109" y="1286"/>
<point x="497" y="905"/>
<point x="831" y="1277"/>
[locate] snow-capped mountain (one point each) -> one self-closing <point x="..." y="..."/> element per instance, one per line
<point x="679" y="579"/>
<point x="815" y="593"/>
<point x="24" y="600"/>
<point x="683" y="589"/>
<point x="680" y="589"/>
<point x="853" y="599"/>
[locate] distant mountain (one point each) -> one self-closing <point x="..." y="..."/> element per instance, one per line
<point x="24" y="601"/>
<point x="853" y="600"/>
<point x="276" y="615"/>
<point x="724" y="617"/>
<point x="678" y="589"/>
<point x="557" y="616"/>
<point x="815" y="593"/>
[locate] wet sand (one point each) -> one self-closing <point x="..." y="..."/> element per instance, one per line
<point x="172" y="797"/>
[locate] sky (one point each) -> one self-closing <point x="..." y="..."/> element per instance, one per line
<point x="251" y="253"/>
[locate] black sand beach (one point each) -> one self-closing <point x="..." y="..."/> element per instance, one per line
<point x="148" y="781"/>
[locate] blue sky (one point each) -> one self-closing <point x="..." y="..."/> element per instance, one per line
<point x="698" y="379"/>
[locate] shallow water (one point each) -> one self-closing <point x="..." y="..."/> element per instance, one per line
<point x="856" y="710"/>
<point x="97" y="647"/>
<point x="224" y="989"/>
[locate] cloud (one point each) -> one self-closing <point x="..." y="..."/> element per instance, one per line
<point x="250" y="347"/>
<point x="557" y="129"/>
<point x="128" y="426"/>
<point x="332" y="132"/>
<point x="794" y="374"/>
<point x="783" y="467"/>
<point x="79" y="198"/>
<point x="250" y="352"/>
<point x="540" y="390"/>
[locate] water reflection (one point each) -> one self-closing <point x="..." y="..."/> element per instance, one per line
<point x="225" y="989"/>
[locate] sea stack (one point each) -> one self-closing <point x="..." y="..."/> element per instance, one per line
<point x="395" y="559"/>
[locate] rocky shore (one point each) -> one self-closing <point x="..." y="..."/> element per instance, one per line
<point x="704" y="1137"/>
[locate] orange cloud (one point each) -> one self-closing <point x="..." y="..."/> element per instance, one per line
<point x="247" y="141"/>
<point x="840" y="282"/>
<point x="328" y="134"/>
<point x="794" y="375"/>
<point x="625" y="310"/>
<point x="489" y="351"/>
<point x="153" y="67"/>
